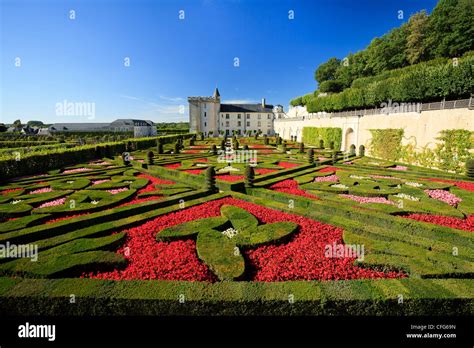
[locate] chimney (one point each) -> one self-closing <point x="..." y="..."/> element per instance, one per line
<point x="263" y="102"/>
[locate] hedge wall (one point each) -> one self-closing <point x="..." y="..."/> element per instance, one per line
<point x="35" y="163"/>
<point x="312" y="135"/>
<point x="417" y="83"/>
<point x="386" y="143"/>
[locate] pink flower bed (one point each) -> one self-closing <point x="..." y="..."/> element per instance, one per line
<point x="172" y="165"/>
<point x="97" y="182"/>
<point x="288" y="164"/>
<point x="103" y="163"/>
<point x="364" y="200"/>
<point x="329" y="178"/>
<point x="41" y="190"/>
<point x="118" y="190"/>
<point x="444" y="196"/>
<point x="76" y="170"/>
<point x="53" y="203"/>
<point x="401" y="168"/>
<point x="291" y="186"/>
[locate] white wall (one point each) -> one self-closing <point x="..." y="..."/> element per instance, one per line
<point x="422" y="128"/>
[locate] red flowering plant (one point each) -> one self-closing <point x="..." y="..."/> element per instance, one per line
<point x="169" y="248"/>
<point x="291" y="186"/>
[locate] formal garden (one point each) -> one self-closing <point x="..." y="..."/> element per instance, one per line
<point x="239" y="225"/>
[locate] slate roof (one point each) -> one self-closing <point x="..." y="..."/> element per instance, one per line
<point x="246" y="108"/>
<point x="79" y="126"/>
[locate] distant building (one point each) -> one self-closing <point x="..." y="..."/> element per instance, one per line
<point x="140" y="128"/>
<point x="210" y="116"/>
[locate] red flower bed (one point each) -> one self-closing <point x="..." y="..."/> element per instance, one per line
<point x="140" y="200"/>
<point x="191" y="151"/>
<point x="266" y="151"/>
<point x="201" y="160"/>
<point x="448" y="221"/>
<point x="288" y="164"/>
<point x="199" y="147"/>
<point x="328" y="169"/>
<point x="263" y="171"/>
<point x="259" y="147"/>
<point x="4" y="192"/>
<point x="301" y="258"/>
<point x="65" y="218"/>
<point x="469" y="186"/>
<point x="172" y="165"/>
<point x="230" y="178"/>
<point x="291" y="186"/>
<point x="194" y="171"/>
<point x="153" y="181"/>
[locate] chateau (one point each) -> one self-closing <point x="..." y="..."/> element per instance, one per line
<point x="210" y="116"/>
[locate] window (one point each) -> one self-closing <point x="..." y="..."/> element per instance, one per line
<point x="205" y="125"/>
<point x="269" y="116"/>
<point x="227" y="116"/>
<point x="248" y="124"/>
<point x="259" y="116"/>
<point x="227" y="123"/>
<point x="205" y="114"/>
<point x="248" y="116"/>
<point x="239" y="123"/>
<point x="204" y="105"/>
<point x="238" y="116"/>
<point x="259" y="124"/>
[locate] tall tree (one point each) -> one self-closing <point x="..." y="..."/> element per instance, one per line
<point x="418" y="27"/>
<point x="327" y="71"/>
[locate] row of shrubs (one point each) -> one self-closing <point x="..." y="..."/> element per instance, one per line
<point x="35" y="163"/>
<point x="418" y="83"/>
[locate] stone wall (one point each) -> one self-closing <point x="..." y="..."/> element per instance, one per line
<point x="420" y="128"/>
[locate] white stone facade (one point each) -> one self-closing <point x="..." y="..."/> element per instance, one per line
<point x="210" y="116"/>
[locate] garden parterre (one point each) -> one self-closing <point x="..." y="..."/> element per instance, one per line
<point x="299" y="229"/>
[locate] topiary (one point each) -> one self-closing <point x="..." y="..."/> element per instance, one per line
<point x="223" y="144"/>
<point x="191" y="142"/>
<point x="265" y="139"/>
<point x="311" y="156"/>
<point x="214" y="149"/>
<point x="159" y="147"/>
<point x="321" y="143"/>
<point x="202" y="136"/>
<point x="177" y="146"/>
<point x="126" y="158"/>
<point x="301" y="147"/>
<point x="331" y="145"/>
<point x="470" y="168"/>
<point x="246" y="147"/>
<point x="283" y="147"/>
<point x="249" y="176"/>
<point x="211" y="179"/>
<point x="352" y="150"/>
<point x="334" y="157"/>
<point x="361" y="151"/>
<point x="150" y="156"/>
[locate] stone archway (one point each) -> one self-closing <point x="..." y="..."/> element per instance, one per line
<point x="349" y="139"/>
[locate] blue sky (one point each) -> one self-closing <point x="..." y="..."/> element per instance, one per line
<point x="82" y="60"/>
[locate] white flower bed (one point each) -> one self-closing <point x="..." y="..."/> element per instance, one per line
<point x="405" y="196"/>
<point x="341" y="186"/>
<point x="413" y="184"/>
<point x="230" y="232"/>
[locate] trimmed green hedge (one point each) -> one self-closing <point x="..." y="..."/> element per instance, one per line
<point x="354" y="297"/>
<point x="312" y="136"/>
